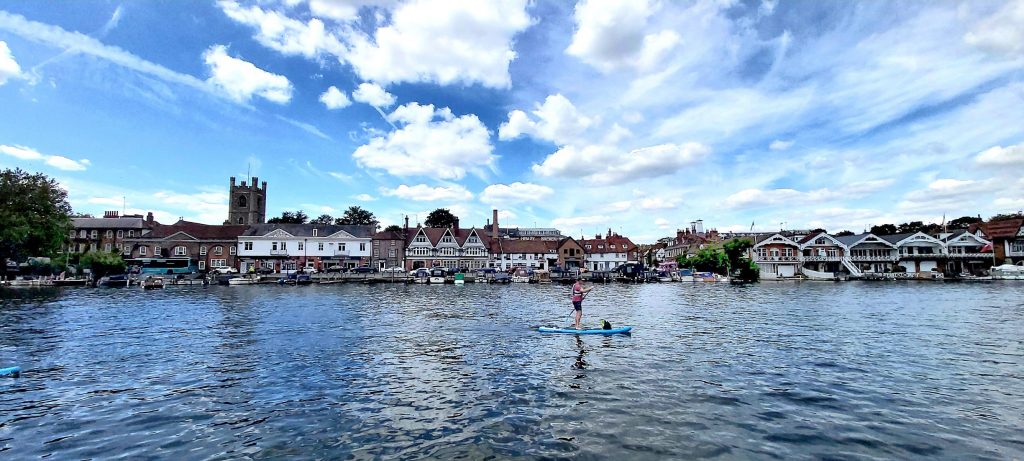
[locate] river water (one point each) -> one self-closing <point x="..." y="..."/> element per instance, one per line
<point x="775" y="370"/>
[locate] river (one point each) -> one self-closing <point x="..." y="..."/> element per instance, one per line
<point x="769" y="371"/>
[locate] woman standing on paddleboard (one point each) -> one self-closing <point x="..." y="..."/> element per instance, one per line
<point x="578" y="293"/>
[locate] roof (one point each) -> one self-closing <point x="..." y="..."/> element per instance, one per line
<point x="1004" y="228"/>
<point x="896" y="238"/>
<point x="761" y="238"/>
<point x="197" y="230"/>
<point x="389" y="235"/>
<point x="511" y="246"/>
<point x="108" y="223"/>
<point x="607" y="242"/>
<point x="434" y="234"/>
<point x="849" y="240"/>
<point x="306" y="230"/>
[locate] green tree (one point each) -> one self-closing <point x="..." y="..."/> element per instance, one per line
<point x="441" y="217"/>
<point x="34" y="216"/>
<point x="102" y="263"/>
<point x="356" y="215"/>
<point x="393" y="228"/>
<point x="883" y="229"/>
<point x="323" y="219"/>
<point x="288" y="217"/>
<point x="844" y="233"/>
<point x="910" y="227"/>
<point x="736" y="249"/>
<point x="963" y="222"/>
<point x="706" y="260"/>
<point x="1002" y="216"/>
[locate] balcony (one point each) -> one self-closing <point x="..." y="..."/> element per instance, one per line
<point x="819" y="258"/>
<point x="341" y="253"/>
<point x="886" y="258"/>
<point x="970" y="256"/>
<point x="770" y="259"/>
<point x="278" y="252"/>
<point x="922" y="256"/>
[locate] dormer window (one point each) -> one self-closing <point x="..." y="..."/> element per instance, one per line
<point x="314" y="232"/>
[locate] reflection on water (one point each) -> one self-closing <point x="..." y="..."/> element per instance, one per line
<point x="889" y="370"/>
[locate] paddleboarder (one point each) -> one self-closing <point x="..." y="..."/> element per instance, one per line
<point x="578" y="293"/>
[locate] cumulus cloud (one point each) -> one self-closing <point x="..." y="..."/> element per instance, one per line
<point x="374" y="95"/>
<point x="779" y="145"/>
<point x="241" y="80"/>
<point x="431" y="143"/>
<point x="442" y="41"/>
<point x="205" y="206"/>
<point x="614" y="34"/>
<point x="425" y="193"/>
<point x="334" y="98"/>
<point x="1002" y="31"/>
<point x="515" y="193"/>
<point x="289" y="36"/>
<point x="662" y="223"/>
<point x="8" y="66"/>
<point x="645" y="203"/>
<point x="1002" y="156"/>
<point x="57" y="161"/>
<point x="557" y="121"/>
<point x="607" y="165"/>
<point x="365" y="198"/>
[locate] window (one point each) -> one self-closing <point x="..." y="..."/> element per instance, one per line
<point x="120" y="234"/>
<point x="587" y="246"/>
<point x="127" y="250"/>
<point x="118" y="246"/>
<point x="106" y="248"/>
<point x="248" y="246"/>
<point x="156" y="250"/>
<point x="232" y="249"/>
<point x="419" y="238"/>
<point x="72" y="234"/>
<point x="241" y="220"/>
<point x="320" y="246"/>
<point x="300" y="246"/>
<point x="600" y="247"/>
<point x="1017" y="246"/>
<point x="273" y="246"/>
<point x="218" y="263"/>
<point x="94" y="234"/>
<point x="202" y="250"/>
<point x="376" y="253"/>
<point x="202" y="265"/>
<point x="131" y="233"/>
<point x="362" y="247"/>
<point x="180" y="251"/>
<point x="242" y="202"/>
<point x="314" y="232"/>
<point x="392" y="243"/>
<point x="81" y="234"/>
<point x="447" y="239"/>
<point x="284" y="245"/>
<point x="342" y="247"/>
<point x="611" y="246"/>
<point x="143" y="249"/>
<point x="473" y="240"/>
<point x="92" y="246"/>
<point x="376" y="243"/>
<point x="218" y="250"/>
<point x="391" y="253"/>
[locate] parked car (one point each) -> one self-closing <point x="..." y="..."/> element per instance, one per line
<point x="335" y="269"/>
<point x="394" y="270"/>
<point x="264" y="270"/>
<point x="225" y="270"/>
<point x="362" y="270"/>
<point x="309" y="270"/>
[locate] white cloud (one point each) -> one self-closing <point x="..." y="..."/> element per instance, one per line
<point x="1002" y="156"/>
<point x="431" y="143"/>
<point x="442" y="41"/>
<point x="567" y="224"/>
<point x="57" y="161"/>
<point x="365" y="198"/>
<point x="425" y="193"/>
<point x="207" y="206"/>
<point x="662" y="223"/>
<point x="645" y="203"/>
<point x="779" y="145"/>
<point x="608" y="165"/>
<point x="347" y="178"/>
<point x="342" y="10"/>
<point x="374" y="95"/>
<point x="108" y="201"/>
<point x="614" y="34"/>
<point x="1002" y="31"/>
<point x="286" y="35"/>
<point x="558" y="121"/>
<point x="241" y="80"/>
<point x="334" y="98"/>
<point x="515" y="193"/>
<point x="8" y="66"/>
<point x="304" y="127"/>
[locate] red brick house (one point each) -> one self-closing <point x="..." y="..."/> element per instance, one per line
<point x="207" y="246"/>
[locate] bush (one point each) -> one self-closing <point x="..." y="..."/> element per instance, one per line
<point x="102" y="263"/>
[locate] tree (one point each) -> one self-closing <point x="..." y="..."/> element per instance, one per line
<point x="706" y="260"/>
<point x="323" y="219"/>
<point x="34" y="216"/>
<point x="441" y="217"/>
<point x="910" y="227"/>
<point x="883" y="229"/>
<point x="356" y="215"/>
<point x="393" y="228"/>
<point x="102" y="263"/>
<point x="1002" y="216"/>
<point x="735" y="250"/>
<point x="844" y="233"/>
<point x="288" y="217"/>
<point x="963" y="222"/>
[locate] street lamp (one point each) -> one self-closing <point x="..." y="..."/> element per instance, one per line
<point x="305" y="243"/>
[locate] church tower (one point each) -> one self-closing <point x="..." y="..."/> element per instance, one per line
<point x="247" y="204"/>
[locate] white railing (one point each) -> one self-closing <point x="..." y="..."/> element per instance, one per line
<point x="279" y="252"/>
<point x="767" y="259"/>
<point x="816" y="258"/>
<point x="340" y="252"/>
<point x="873" y="258"/>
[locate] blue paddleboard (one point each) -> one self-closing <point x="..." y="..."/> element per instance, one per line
<point x="12" y="371"/>
<point x="573" y="331"/>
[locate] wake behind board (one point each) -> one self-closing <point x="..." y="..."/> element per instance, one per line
<point x="573" y="331"/>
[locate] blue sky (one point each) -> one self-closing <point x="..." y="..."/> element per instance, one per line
<point x="632" y="115"/>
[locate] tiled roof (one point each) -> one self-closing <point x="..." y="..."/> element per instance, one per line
<point x="197" y="230"/>
<point x="852" y="239"/>
<point x="621" y="244"/>
<point x="1005" y="228"/>
<point x="108" y="223"/>
<point x="306" y="230"/>
<point x="895" y="238"/>
<point x="389" y="235"/>
<point x="434" y="234"/>
<point x="515" y="246"/>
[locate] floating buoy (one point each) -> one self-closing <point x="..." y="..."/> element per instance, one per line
<point x="12" y="372"/>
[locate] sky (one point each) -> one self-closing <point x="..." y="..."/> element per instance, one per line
<point x="636" y="116"/>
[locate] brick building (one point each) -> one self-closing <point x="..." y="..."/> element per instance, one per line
<point x="206" y="246"/>
<point x="107" y="233"/>
<point x="388" y="249"/>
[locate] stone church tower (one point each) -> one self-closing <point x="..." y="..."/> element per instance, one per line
<point x="247" y="204"/>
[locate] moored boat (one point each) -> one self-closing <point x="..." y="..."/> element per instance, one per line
<point x="152" y="283"/>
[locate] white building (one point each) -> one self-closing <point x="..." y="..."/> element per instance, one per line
<point x="532" y="254"/>
<point x="608" y="253"/>
<point x="445" y="247"/>
<point x="291" y="246"/>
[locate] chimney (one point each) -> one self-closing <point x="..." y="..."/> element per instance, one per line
<point x="149" y="217"/>
<point x="109" y="214"/>
<point x="406" y="222"/>
<point x="455" y="225"/>
<point x="494" y="224"/>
